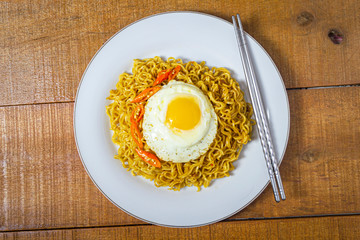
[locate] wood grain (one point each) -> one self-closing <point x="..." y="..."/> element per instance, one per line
<point x="345" y="227"/>
<point x="44" y="184"/>
<point x="43" y="181"/>
<point x="320" y="167"/>
<point x="46" y="45"/>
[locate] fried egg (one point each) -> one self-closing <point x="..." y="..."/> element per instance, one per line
<point x="179" y="122"/>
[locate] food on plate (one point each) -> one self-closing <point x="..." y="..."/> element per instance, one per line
<point x="178" y="124"/>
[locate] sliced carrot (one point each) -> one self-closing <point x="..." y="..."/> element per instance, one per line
<point x="163" y="75"/>
<point x="137" y="113"/>
<point x="174" y="72"/>
<point x="136" y="135"/>
<point x="146" y="94"/>
<point x="149" y="158"/>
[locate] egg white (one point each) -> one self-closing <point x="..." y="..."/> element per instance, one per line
<point x="183" y="145"/>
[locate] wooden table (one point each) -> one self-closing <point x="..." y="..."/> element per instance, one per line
<point x="46" y="46"/>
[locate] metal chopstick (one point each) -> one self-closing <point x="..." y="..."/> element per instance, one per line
<point x="262" y="123"/>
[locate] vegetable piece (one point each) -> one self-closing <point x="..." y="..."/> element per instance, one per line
<point x="136" y="135"/>
<point x="174" y="72"/>
<point x="146" y="94"/>
<point x="163" y="75"/>
<point x="148" y="158"/>
<point x="137" y="113"/>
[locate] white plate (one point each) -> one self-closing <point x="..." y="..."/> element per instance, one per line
<point x="190" y="36"/>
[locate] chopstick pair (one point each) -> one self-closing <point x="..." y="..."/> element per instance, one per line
<point x="261" y="120"/>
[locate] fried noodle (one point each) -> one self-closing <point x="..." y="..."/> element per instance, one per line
<point x="234" y="122"/>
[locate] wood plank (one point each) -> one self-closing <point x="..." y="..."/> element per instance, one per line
<point x="44" y="184"/>
<point x="43" y="181"/>
<point x="46" y="45"/>
<point x="345" y="227"/>
<point x="320" y="166"/>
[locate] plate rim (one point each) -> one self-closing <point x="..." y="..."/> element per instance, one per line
<point x="75" y="107"/>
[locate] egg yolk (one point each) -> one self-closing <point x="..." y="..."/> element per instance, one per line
<point x="183" y="113"/>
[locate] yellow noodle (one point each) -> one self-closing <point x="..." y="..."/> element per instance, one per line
<point x="234" y="122"/>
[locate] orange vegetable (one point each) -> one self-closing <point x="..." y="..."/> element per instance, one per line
<point x="136" y="135"/>
<point x="148" y="158"/>
<point x="174" y="72"/>
<point x="146" y="94"/>
<point x="137" y="113"/>
<point x="163" y="75"/>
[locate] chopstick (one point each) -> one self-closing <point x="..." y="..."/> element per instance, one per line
<point x="261" y="120"/>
